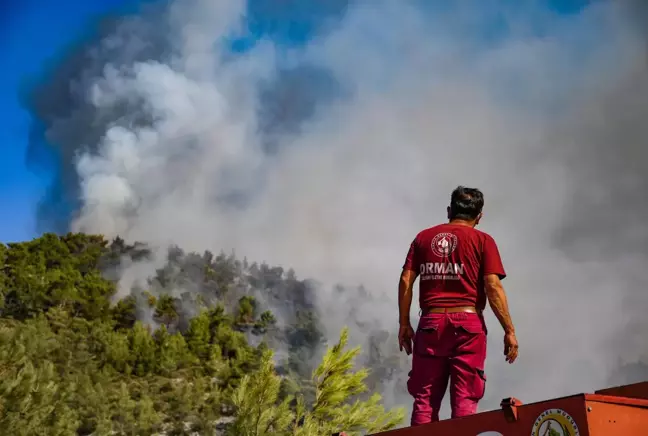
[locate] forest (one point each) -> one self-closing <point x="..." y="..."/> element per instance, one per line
<point x="193" y="350"/>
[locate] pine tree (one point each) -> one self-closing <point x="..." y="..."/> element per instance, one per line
<point x="259" y="411"/>
<point x="256" y="400"/>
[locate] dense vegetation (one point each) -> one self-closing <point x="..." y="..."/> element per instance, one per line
<point x="189" y="351"/>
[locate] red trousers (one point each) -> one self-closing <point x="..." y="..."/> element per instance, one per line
<point x="447" y="347"/>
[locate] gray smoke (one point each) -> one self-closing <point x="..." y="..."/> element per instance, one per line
<point x="328" y="157"/>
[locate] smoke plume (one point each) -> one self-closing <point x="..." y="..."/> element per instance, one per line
<point x="197" y="124"/>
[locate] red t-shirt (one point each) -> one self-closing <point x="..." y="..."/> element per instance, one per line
<point x="451" y="261"/>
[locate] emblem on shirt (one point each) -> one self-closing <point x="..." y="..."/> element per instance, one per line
<point x="555" y="422"/>
<point x="444" y="244"/>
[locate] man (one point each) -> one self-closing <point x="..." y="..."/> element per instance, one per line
<point x="459" y="268"/>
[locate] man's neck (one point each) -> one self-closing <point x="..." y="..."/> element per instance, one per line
<point x="460" y="222"/>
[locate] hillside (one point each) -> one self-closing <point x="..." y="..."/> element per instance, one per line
<point x="193" y="350"/>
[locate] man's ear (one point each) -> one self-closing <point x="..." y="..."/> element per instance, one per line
<point x="479" y="217"/>
<point x="448" y="209"/>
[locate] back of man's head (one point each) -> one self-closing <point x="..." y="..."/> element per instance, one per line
<point x="465" y="204"/>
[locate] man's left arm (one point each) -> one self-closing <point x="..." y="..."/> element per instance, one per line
<point x="405" y="292"/>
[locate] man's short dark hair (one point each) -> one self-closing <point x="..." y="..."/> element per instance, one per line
<point x="466" y="203"/>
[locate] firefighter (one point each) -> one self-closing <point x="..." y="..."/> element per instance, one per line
<point x="459" y="268"/>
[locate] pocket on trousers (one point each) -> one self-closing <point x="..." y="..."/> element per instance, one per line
<point x="472" y="327"/>
<point x="479" y="384"/>
<point x="411" y="384"/>
<point x="426" y="341"/>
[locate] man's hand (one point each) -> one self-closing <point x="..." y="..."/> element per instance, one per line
<point x="405" y="338"/>
<point x="510" y="347"/>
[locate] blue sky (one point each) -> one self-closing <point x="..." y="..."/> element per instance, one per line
<point x="33" y="31"/>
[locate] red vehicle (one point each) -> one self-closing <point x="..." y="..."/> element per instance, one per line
<point x="618" y="411"/>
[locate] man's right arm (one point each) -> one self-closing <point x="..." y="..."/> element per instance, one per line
<point x="498" y="302"/>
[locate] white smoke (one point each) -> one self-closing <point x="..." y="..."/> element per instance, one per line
<point x="430" y="106"/>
